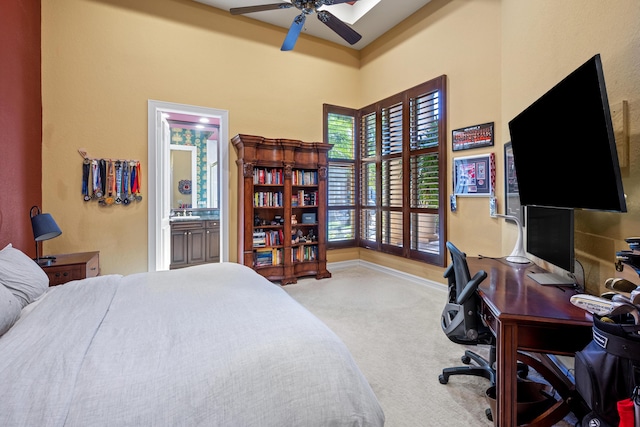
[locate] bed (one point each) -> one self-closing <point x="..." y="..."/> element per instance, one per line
<point x="209" y="345"/>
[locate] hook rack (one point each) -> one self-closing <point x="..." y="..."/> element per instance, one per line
<point x="110" y="184"/>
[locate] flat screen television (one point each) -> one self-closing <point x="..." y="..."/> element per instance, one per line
<point x="550" y="238"/>
<point x="564" y="149"/>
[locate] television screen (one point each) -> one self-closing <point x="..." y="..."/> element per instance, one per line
<point x="550" y="235"/>
<point x="563" y="145"/>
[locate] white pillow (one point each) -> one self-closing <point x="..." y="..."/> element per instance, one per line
<point x="22" y="275"/>
<point x="9" y="309"/>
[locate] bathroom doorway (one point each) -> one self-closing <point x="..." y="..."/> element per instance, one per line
<point x="210" y="127"/>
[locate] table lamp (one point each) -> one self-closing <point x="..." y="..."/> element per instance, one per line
<point x="44" y="228"/>
<point x="518" y="255"/>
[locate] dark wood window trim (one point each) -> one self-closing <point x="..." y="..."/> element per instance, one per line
<point x="400" y="155"/>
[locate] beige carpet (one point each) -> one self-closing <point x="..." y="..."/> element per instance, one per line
<point x="391" y="325"/>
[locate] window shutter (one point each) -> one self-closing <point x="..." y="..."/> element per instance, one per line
<point x="424" y="115"/>
<point x="392" y="130"/>
<point x="425" y="173"/>
<point x="392" y="183"/>
<point x="368" y="135"/>
<point x="340" y="129"/>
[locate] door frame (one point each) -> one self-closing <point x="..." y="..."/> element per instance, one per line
<point x="158" y="173"/>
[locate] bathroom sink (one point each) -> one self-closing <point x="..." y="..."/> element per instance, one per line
<point x="184" y="218"/>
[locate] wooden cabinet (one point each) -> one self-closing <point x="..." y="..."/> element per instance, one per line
<point x="194" y="242"/>
<point x="212" y="241"/>
<point x="282" y="179"/>
<point x="76" y="266"/>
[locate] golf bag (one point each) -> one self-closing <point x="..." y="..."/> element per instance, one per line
<point x="608" y="369"/>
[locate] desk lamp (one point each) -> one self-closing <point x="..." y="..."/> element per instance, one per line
<point x="518" y="255"/>
<point x="44" y="228"/>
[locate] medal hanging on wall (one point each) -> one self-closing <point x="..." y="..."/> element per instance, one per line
<point x="125" y="182"/>
<point x="111" y="184"/>
<point x="118" y="166"/>
<point x="111" y="181"/>
<point x="95" y="175"/>
<point x="86" y="179"/>
<point x="132" y="172"/>
<point x="138" y="182"/>
<point x="103" y="182"/>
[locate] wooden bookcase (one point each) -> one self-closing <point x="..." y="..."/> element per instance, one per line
<point x="279" y="179"/>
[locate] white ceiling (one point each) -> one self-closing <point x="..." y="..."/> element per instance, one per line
<point x="385" y="15"/>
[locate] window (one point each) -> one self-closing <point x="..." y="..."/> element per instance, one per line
<point x="340" y="130"/>
<point x="387" y="174"/>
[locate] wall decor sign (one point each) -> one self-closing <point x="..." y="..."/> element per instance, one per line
<point x="472" y="137"/>
<point x="511" y="196"/>
<point x="474" y="175"/>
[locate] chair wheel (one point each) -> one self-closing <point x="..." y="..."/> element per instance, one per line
<point x="465" y="359"/>
<point x="488" y="413"/>
<point x="443" y="379"/>
<point x="523" y="371"/>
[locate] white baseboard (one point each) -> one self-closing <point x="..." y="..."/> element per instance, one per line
<point x="341" y="265"/>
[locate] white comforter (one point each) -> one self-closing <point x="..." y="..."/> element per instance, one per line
<point x="212" y="345"/>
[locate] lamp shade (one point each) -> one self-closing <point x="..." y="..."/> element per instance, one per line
<point x="44" y="227"/>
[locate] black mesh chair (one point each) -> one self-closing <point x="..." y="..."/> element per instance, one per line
<point x="461" y="320"/>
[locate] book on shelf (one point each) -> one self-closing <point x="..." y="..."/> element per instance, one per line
<point x="259" y="239"/>
<point x="267" y="256"/>
<point x="304" y="177"/>
<point x="268" y="199"/>
<point x="271" y="176"/>
<point x="304" y="198"/>
<point x="304" y="253"/>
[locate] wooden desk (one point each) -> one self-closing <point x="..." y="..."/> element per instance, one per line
<point x="526" y="316"/>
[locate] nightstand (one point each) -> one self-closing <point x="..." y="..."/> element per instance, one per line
<point x="67" y="267"/>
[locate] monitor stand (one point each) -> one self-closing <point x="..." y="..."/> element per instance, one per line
<point x="550" y="279"/>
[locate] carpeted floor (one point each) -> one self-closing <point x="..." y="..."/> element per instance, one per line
<point x="391" y="324"/>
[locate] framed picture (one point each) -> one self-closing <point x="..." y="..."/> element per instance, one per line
<point x="474" y="175"/>
<point x="511" y="196"/>
<point x="472" y="137"/>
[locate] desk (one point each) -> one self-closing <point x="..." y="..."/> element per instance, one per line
<point x="526" y="316"/>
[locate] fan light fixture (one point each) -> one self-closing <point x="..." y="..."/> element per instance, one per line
<point x="44" y="228"/>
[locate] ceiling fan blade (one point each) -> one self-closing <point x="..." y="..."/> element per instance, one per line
<point x="294" y="32"/>
<point x="330" y="2"/>
<point x="342" y="29"/>
<point x="259" y="8"/>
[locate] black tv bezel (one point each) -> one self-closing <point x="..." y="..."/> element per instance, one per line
<point x="555" y="188"/>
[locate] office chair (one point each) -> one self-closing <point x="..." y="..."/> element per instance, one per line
<point x="461" y="321"/>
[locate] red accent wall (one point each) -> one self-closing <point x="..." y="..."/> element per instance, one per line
<point x="20" y="121"/>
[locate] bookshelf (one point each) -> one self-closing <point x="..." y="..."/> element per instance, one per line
<point x="282" y="207"/>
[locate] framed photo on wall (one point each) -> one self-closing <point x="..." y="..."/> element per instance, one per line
<point x="472" y="137"/>
<point x="474" y="175"/>
<point x="511" y="196"/>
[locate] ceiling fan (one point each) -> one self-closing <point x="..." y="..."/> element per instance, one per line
<point x="307" y="8"/>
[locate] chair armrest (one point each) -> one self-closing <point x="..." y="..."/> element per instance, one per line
<point x="448" y="272"/>
<point x="471" y="287"/>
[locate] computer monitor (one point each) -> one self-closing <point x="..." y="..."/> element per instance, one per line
<point x="549" y="234"/>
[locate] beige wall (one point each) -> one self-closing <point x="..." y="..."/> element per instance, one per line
<point x="542" y="42"/>
<point x="102" y="61"/>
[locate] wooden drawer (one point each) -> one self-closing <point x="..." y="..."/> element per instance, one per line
<point x="64" y="274"/>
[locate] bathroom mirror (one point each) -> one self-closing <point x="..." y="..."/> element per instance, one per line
<point x="184" y="177"/>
